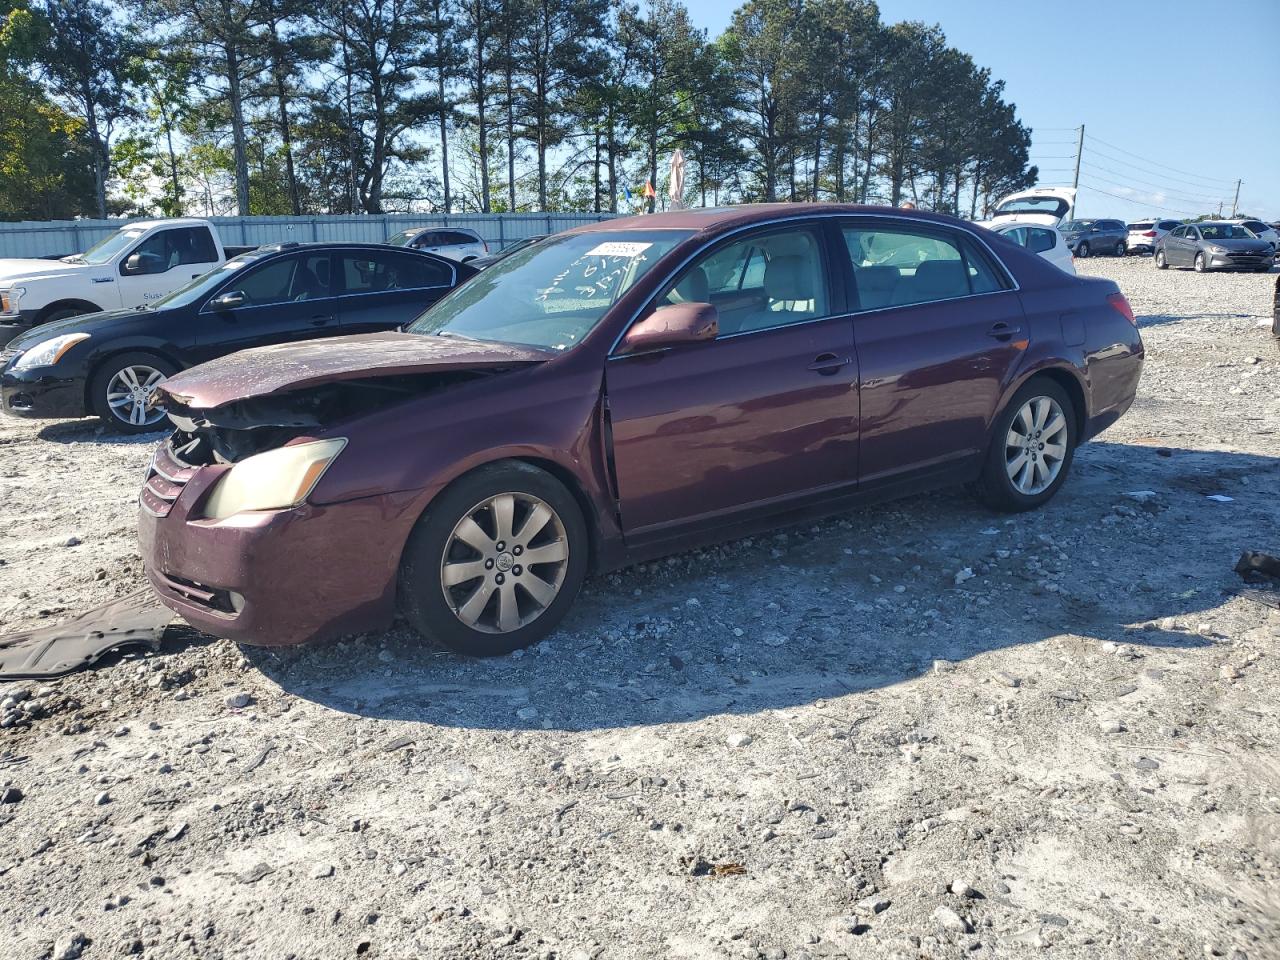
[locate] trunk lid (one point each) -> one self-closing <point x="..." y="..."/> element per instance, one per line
<point x="1050" y="206"/>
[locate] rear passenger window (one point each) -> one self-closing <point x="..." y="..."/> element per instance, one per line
<point x="1038" y="240"/>
<point x="383" y="270"/>
<point x="895" y="267"/>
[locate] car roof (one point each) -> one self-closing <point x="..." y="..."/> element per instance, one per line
<point x="717" y="219"/>
<point x="289" y="245"/>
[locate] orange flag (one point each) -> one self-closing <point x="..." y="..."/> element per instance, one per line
<point x="649" y="191"/>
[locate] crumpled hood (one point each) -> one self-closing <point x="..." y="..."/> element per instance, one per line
<point x="36" y="269"/>
<point x="286" y="367"/>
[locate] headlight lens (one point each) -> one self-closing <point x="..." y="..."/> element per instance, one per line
<point x="9" y="301"/>
<point x="49" y="352"/>
<point x="1214" y="248"/>
<point x="274" y="480"/>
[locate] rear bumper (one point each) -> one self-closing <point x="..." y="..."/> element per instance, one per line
<point x="276" y="577"/>
<point x="38" y="396"/>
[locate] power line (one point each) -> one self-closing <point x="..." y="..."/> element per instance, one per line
<point x="1203" y="184"/>
<point x="1138" y="203"/>
<point x="1171" y="194"/>
<point x="1154" y="162"/>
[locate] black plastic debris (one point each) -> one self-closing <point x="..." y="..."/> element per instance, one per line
<point x="1259" y="568"/>
<point x="135" y="620"/>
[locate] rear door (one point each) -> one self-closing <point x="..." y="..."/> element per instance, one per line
<point x="939" y="332"/>
<point x="287" y="298"/>
<point x="386" y="288"/>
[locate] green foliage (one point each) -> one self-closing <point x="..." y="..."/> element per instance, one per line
<point x="345" y="106"/>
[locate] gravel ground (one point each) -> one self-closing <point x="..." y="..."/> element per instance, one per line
<point x="916" y="730"/>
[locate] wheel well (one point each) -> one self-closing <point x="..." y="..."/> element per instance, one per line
<point x="83" y="306"/>
<point x="1072" y="386"/>
<point x="571" y="484"/>
<point x="93" y="371"/>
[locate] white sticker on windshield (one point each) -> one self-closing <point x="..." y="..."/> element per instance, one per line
<point x="618" y="248"/>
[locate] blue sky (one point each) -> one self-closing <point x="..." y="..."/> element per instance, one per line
<point x="1178" y="97"/>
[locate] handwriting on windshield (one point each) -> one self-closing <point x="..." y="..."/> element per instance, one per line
<point x="595" y="274"/>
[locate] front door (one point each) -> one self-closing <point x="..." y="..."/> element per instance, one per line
<point x="939" y="333"/>
<point x="163" y="262"/>
<point x="764" y="413"/>
<point x="384" y="289"/>
<point x="287" y="298"/>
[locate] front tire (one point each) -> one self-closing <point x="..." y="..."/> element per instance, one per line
<point x="1161" y="262"/>
<point x="1200" y="264"/>
<point x="1033" y="442"/>
<point x="122" y="391"/>
<point x="1082" y="249"/>
<point x="495" y="563"/>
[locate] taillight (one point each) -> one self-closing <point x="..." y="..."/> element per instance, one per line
<point x="1149" y="233"/>
<point x="1118" y="301"/>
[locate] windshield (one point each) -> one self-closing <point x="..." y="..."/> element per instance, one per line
<point x="1049" y="206"/>
<point x="1225" y="231"/>
<point x="106" y="248"/>
<point x="191" y="292"/>
<point x="402" y="238"/>
<point x="550" y="294"/>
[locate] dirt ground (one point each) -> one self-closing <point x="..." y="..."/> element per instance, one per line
<point x="828" y="742"/>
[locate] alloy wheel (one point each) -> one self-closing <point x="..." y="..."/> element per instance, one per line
<point x="505" y="562"/>
<point x="1082" y="251"/>
<point x="1036" y="445"/>
<point x="1199" y="266"/>
<point x="130" y="394"/>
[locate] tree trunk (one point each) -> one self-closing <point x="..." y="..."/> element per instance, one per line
<point x="237" y="130"/>
<point x="100" y="158"/>
<point x="511" y="135"/>
<point x="444" y="138"/>
<point x="286" y="138"/>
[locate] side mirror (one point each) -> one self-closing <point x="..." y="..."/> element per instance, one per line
<point x="673" y="324"/>
<point x="227" y="301"/>
<point x="133" y="265"/>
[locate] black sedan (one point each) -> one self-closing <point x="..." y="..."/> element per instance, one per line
<point x="1213" y="246"/>
<point x="110" y="363"/>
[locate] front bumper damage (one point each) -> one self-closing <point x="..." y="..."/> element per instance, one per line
<point x="270" y="577"/>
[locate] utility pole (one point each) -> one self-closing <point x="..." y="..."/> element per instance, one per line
<point x="1236" y="201"/>
<point x="1075" y="184"/>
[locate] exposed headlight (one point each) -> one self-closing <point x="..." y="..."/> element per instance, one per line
<point x="1214" y="248"/>
<point x="49" y="352"/>
<point x="9" y="301"/>
<point x="274" y="480"/>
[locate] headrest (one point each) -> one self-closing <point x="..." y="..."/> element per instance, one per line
<point x="789" y="278"/>
<point x="694" y="288"/>
<point x="941" y="277"/>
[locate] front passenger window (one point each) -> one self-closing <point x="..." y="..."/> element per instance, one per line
<point x="767" y="280"/>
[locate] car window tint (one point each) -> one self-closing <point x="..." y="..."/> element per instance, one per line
<point x="764" y="281"/>
<point x="1168" y="224"/>
<point x="152" y="253"/>
<point x="897" y="266"/>
<point x="375" y="272"/>
<point x="454" y="238"/>
<point x="269" y="283"/>
<point x="192" y="245"/>
<point x="1018" y="235"/>
<point x="1040" y="240"/>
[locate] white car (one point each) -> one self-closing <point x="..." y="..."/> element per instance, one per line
<point x="137" y="264"/>
<point x="1049" y="206"/>
<point x="452" y="242"/>
<point x="1039" y="238"/>
<point x="1262" y="231"/>
<point x="1144" y="234"/>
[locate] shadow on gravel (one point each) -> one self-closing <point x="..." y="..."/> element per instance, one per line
<point x="1156" y="319"/>
<point x="91" y="430"/>
<point x="793" y="617"/>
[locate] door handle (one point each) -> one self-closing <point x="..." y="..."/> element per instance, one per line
<point x="1002" y="331"/>
<point x="320" y="321"/>
<point x="828" y="363"/>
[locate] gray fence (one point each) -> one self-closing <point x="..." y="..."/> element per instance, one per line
<point x="61" y="237"/>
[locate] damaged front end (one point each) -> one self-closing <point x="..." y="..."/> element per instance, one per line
<point x="231" y="537"/>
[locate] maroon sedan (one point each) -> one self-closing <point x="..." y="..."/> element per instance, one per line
<point x="617" y="392"/>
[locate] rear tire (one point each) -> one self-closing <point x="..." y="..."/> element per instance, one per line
<point x="1121" y="249"/>
<point x="117" y="387"/>
<point x="1082" y="249"/>
<point x="465" y="578"/>
<point x="1018" y="446"/>
<point x="1161" y="262"/>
